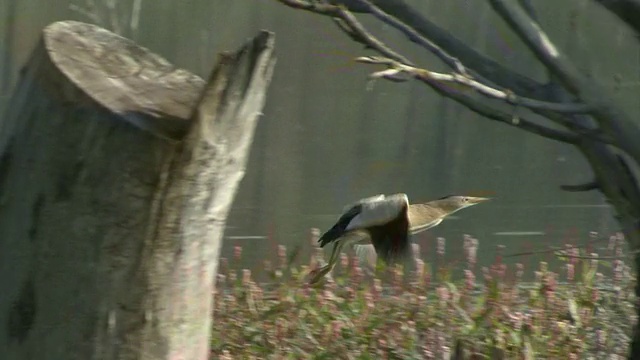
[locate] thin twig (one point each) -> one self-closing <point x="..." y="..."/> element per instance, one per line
<point x="414" y="36"/>
<point x="562" y="254"/>
<point x="361" y="34"/>
<point x="508" y="96"/>
<point x="347" y="23"/>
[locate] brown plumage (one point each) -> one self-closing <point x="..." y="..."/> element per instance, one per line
<point x="386" y="222"/>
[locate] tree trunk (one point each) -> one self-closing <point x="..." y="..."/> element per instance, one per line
<point x="117" y="172"/>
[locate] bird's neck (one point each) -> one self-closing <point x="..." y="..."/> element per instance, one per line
<point x="425" y="216"/>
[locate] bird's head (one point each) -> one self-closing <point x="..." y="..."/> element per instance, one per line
<point x="453" y="203"/>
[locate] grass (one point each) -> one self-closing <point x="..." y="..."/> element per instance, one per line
<point x="581" y="310"/>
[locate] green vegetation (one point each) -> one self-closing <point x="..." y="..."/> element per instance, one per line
<point x="583" y="309"/>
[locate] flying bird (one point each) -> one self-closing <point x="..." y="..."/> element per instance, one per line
<point x="386" y="224"/>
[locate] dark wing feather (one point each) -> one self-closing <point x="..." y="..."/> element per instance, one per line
<point x="339" y="228"/>
<point x="391" y="240"/>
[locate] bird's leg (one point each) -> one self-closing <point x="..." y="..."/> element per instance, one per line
<point x="335" y="254"/>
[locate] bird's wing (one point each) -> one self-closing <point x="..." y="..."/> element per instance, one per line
<point x="379" y="210"/>
<point x="340" y="227"/>
<point x="391" y="239"/>
<point x="379" y="197"/>
<point x="371" y="211"/>
<point x="367" y="254"/>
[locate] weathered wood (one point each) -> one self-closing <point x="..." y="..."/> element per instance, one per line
<point x="117" y="172"/>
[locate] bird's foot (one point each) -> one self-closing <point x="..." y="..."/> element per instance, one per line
<point x="316" y="275"/>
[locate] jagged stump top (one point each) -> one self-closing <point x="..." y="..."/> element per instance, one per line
<point x="122" y="76"/>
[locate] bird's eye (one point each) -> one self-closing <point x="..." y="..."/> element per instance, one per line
<point x="464" y="199"/>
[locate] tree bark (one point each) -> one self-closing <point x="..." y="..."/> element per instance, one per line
<point x="117" y="171"/>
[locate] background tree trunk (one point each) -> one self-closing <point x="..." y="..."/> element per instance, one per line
<point x="117" y="172"/>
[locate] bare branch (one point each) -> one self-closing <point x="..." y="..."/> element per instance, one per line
<point x="539" y="43"/>
<point x="591" y="185"/>
<point x="528" y="7"/>
<point x="473" y="60"/>
<point x="353" y="28"/>
<point x="415" y="37"/>
<point x="565" y="255"/>
<point x="316" y="7"/>
<point x="488" y="91"/>
<point x="492" y="113"/>
<point x="612" y="120"/>
<point x="348" y="23"/>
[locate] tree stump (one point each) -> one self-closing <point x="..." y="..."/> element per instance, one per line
<point x="117" y="172"/>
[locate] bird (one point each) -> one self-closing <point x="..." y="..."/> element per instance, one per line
<point x="384" y="223"/>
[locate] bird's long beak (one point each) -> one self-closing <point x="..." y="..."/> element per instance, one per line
<point x="476" y="200"/>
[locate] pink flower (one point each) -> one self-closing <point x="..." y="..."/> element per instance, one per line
<point x="420" y="269"/>
<point x="355" y="262"/>
<point x="224" y="265"/>
<point x="594" y="261"/>
<point x="570" y="272"/>
<point x="620" y="246"/>
<point x="443" y="295"/>
<point x="469" y="280"/>
<point x="601" y="338"/>
<point x="446" y="352"/>
<point x="267" y="266"/>
<point x="225" y="355"/>
<point x="344" y="260"/>
<point x="246" y="277"/>
<point x="519" y="271"/>
<point x="376" y="288"/>
<point x="280" y="329"/>
<point x="415" y="248"/>
<point x="499" y="253"/>
<point x="538" y="276"/>
<point x="516" y="320"/>
<point x="336" y="326"/>
<point x="282" y="256"/>
<point x="618" y="270"/>
<point x="486" y="274"/>
<point x="369" y="300"/>
<point x="499" y="270"/>
<point x="441" y="246"/>
<point x="357" y="275"/>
